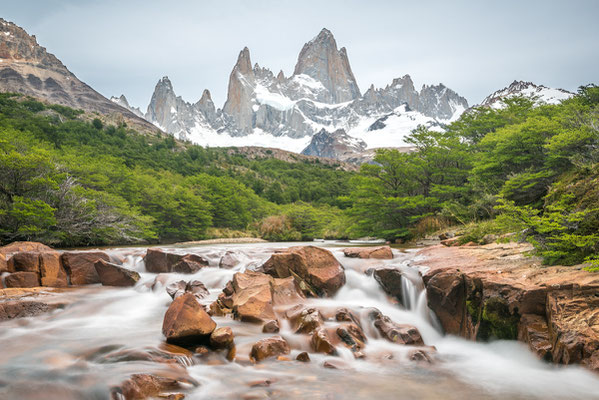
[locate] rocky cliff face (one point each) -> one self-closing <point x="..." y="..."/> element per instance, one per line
<point x="123" y="102"/>
<point x="539" y="93"/>
<point x="26" y="67"/>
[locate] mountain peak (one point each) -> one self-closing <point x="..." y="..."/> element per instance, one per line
<point x="322" y="61"/>
<point x="244" y="63"/>
<point x="538" y="93"/>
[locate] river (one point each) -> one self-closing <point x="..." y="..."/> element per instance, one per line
<point x="95" y="342"/>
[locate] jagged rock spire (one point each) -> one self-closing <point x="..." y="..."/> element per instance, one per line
<point x="241" y="85"/>
<point x="321" y="60"/>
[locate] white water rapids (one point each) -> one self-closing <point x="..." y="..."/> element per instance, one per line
<point x="76" y="352"/>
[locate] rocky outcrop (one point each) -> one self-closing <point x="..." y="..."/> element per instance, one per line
<point x="390" y="280"/>
<point x="159" y="261"/>
<point x="396" y="333"/>
<point x="113" y="275"/>
<point x="80" y="265"/>
<point x="317" y="271"/>
<point x="496" y="292"/>
<point x="186" y="322"/>
<point x="381" y="253"/>
<point x="338" y="145"/>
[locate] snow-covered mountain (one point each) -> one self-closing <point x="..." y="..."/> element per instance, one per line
<point x="264" y="109"/>
<point x="336" y="144"/>
<point x="541" y="94"/>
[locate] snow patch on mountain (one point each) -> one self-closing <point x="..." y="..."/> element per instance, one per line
<point x="541" y="94"/>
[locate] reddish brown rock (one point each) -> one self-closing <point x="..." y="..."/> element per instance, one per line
<point x="353" y="337"/>
<point x="271" y="327"/>
<point x="222" y="338"/>
<point x="321" y="342"/>
<point x="194" y="287"/>
<point x="286" y="291"/>
<point x="533" y="330"/>
<point x="25" y="308"/>
<point x="303" y="357"/>
<point x="343" y="314"/>
<point x="396" y="333"/>
<point x="3" y="264"/>
<point x="315" y="269"/>
<point x="26" y="261"/>
<point x="22" y="279"/>
<point x="159" y="261"/>
<point x="270" y="347"/>
<point x="146" y="386"/>
<point x="113" y="275"/>
<point x="80" y="266"/>
<point x="381" y="253"/>
<point x="304" y="319"/>
<point x="17" y="247"/>
<point x="390" y="281"/>
<point x="420" y="355"/>
<point x="52" y="273"/>
<point x="228" y="261"/>
<point x="186" y="322"/>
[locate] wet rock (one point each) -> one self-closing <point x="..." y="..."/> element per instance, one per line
<point x="113" y="275"/>
<point x="343" y="314"/>
<point x="390" y="281"/>
<point x="286" y="291"/>
<point x="420" y="355"/>
<point x="336" y="364"/>
<point x="22" y="279"/>
<point x="222" y="338"/>
<point x="25" y="308"/>
<point x="194" y="287"/>
<point x="189" y="264"/>
<point x="146" y="386"/>
<point x="248" y="296"/>
<point x="303" y="357"/>
<point x="159" y="261"/>
<point x="228" y="261"/>
<point x="271" y="327"/>
<point x="381" y="253"/>
<point x="80" y="266"/>
<point x="315" y="269"/>
<point x="533" y="330"/>
<point x="396" y="333"/>
<point x="321" y="342"/>
<point x="353" y="337"/>
<point x="304" y="319"/>
<point x="260" y="383"/>
<point x="160" y="281"/>
<point x="186" y="322"/>
<point x="269" y="347"/>
<point x="52" y="273"/>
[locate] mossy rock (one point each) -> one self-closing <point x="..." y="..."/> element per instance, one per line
<point x="497" y="322"/>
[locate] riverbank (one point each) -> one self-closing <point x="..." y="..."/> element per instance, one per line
<point x="498" y="291"/>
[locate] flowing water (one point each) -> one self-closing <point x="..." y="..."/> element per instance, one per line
<point x="106" y="334"/>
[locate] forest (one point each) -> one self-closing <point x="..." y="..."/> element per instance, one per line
<point x="521" y="172"/>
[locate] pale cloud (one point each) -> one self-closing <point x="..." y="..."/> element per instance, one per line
<point x="474" y="47"/>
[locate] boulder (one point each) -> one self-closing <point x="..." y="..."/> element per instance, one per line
<point x="158" y="261"/>
<point x="286" y="291"/>
<point x="352" y="337"/>
<point x="396" y="333"/>
<point x="343" y="314"/>
<point x="271" y="327"/>
<point x="146" y="386"/>
<point x="22" y="279"/>
<point x="228" y="261"/>
<point x="304" y="319"/>
<point x="113" y="275"/>
<point x="390" y="281"/>
<point x="315" y="269"/>
<point x="303" y="357"/>
<point x="52" y="273"/>
<point x="194" y="287"/>
<point x="222" y="338"/>
<point x="269" y="347"/>
<point x="80" y="266"/>
<point x="381" y="253"/>
<point x="25" y="308"/>
<point x="321" y="342"/>
<point x="186" y="322"/>
<point x="17" y="247"/>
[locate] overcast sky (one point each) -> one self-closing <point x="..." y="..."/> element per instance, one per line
<point x="473" y="47"/>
